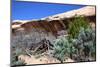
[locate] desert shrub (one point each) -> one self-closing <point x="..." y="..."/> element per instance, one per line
<point x="81" y="48"/>
<point x="17" y="63"/>
<point x="62" y="48"/>
<point x="85" y="43"/>
<point x="74" y="26"/>
<point x="14" y="57"/>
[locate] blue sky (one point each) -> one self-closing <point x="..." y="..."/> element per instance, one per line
<point x="37" y="10"/>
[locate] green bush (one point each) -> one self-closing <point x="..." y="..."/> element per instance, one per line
<point x="63" y="48"/>
<point x="74" y="26"/>
<point x="17" y="63"/>
<point x="14" y="57"/>
<point x="81" y="48"/>
<point x="85" y="43"/>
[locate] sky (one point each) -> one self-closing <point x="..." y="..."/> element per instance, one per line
<point x="37" y="10"/>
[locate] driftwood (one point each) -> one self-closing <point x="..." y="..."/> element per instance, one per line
<point x="42" y="46"/>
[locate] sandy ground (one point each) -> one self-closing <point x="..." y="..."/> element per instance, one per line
<point x="41" y="60"/>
